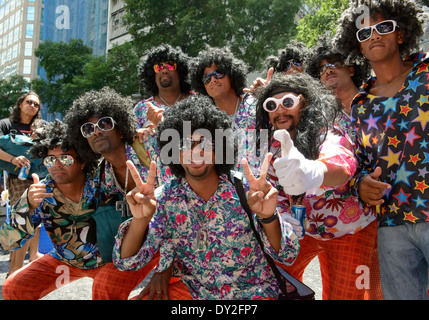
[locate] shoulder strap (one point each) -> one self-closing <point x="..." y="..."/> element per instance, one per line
<point x="236" y="179"/>
<point x="141" y="153"/>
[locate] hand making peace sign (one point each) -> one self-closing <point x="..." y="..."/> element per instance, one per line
<point x="262" y="196"/>
<point x="141" y="199"/>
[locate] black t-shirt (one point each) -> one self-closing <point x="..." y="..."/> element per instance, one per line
<point x="21" y="128"/>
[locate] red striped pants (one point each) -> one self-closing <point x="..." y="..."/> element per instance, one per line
<point x="340" y="262"/>
<point x="47" y="274"/>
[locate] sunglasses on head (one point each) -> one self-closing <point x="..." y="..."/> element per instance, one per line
<point x="170" y="65"/>
<point x="327" y="66"/>
<point x="288" y="101"/>
<point x="65" y="159"/>
<point x="188" y="144"/>
<point x="104" y="124"/>
<point x="383" y="27"/>
<point x="208" y="76"/>
<point x="32" y="102"/>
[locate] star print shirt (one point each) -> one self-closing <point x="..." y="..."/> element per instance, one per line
<point x="70" y="225"/>
<point x="232" y="266"/>
<point x="392" y="133"/>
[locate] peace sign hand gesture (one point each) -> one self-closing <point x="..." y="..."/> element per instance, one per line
<point x="141" y="199"/>
<point x="262" y="196"/>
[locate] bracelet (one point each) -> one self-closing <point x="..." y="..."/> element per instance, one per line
<point x="11" y="159"/>
<point x="268" y="220"/>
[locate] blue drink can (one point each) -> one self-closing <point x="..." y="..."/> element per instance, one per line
<point x="298" y="212"/>
<point x="23" y="173"/>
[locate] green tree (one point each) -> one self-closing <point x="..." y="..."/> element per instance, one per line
<point x="253" y="29"/>
<point x="118" y="70"/>
<point x="62" y="62"/>
<point x="320" y="16"/>
<point x="72" y="69"/>
<point x="10" y="91"/>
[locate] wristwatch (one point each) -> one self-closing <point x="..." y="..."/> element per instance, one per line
<point x="268" y="220"/>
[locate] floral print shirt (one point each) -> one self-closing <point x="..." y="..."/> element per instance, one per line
<point x="163" y="172"/>
<point x="335" y="212"/>
<point x="70" y="225"/>
<point x="391" y="133"/>
<point x="243" y="125"/>
<point x="232" y="266"/>
<point x="108" y="182"/>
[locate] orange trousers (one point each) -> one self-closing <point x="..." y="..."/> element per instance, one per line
<point x="343" y="262"/>
<point x="47" y="274"/>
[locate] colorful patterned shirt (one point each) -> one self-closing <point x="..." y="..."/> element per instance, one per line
<point x="391" y="133"/>
<point x="163" y="172"/>
<point x="232" y="266"/>
<point x="108" y="182"/>
<point x="244" y="122"/>
<point x="336" y="211"/>
<point x="69" y="225"/>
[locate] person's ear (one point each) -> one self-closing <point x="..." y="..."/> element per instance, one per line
<point x="400" y="38"/>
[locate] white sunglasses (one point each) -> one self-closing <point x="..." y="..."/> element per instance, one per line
<point x="288" y="101"/>
<point x="383" y="27"/>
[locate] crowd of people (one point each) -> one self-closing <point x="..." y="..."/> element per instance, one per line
<point x="338" y="128"/>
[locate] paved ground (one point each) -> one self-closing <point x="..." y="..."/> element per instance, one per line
<point x="81" y="289"/>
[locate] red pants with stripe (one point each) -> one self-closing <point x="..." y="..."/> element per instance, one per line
<point x="342" y="261"/>
<point x="47" y="274"/>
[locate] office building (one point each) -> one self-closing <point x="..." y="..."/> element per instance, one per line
<point x="20" y="26"/>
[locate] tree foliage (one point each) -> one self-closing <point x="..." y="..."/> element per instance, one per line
<point x="320" y="16"/>
<point x="62" y="62"/>
<point x="72" y="69"/>
<point x="253" y="29"/>
<point x="10" y="91"/>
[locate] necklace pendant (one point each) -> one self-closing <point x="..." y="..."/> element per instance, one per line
<point x="73" y="228"/>
<point x="202" y="240"/>
<point x="122" y="206"/>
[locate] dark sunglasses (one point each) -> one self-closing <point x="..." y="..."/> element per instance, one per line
<point x="287" y="101"/>
<point x="208" y="76"/>
<point x="104" y="124"/>
<point x="170" y="65"/>
<point x="188" y="144"/>
<point x="327" y="66"/>
<point x="383" y="27"/>
<point x="65" y="159"/>
<point x="291" y="63"/>
<point x="31" y="102"/>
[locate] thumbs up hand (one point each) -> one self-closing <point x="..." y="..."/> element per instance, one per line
<point x="371" y="189"/>
<point x="296" y="174"/>
<point x="36" y="193"/>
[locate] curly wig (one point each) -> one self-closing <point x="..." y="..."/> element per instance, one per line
<point x="316" y="116"/>
<point x="103" y="103"/>
<point x="159" y="54"/>
<point x="235" y="68"/>
<point x="295" y="50"/>
<point x="53" y="135"/>
<point x="405" y="12"/>
<point x="203" y="114"/>
<point x="15" y="114"/>
<point x="324" y="50"/>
